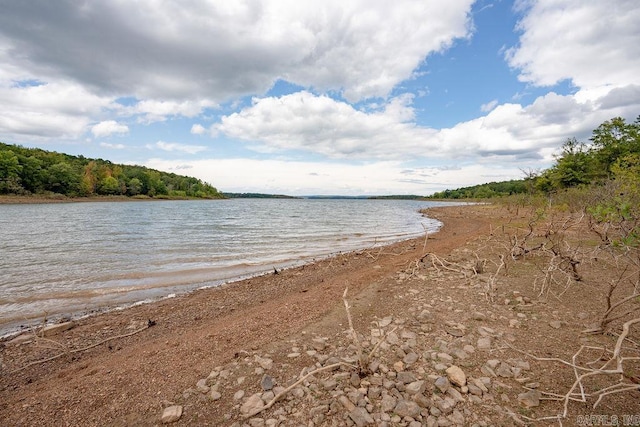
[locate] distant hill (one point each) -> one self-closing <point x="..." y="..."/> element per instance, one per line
<point x="256" y="196"/>
<point x="32" y="171"/>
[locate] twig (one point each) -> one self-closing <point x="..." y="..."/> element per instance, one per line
<point x="292" y="386"/>
<point x="79" y="350"/>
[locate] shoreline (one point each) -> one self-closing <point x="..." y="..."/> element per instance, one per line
<point x="24" y="325"/>
<point x="218" y="322"/>
<point x="211" y="351"/>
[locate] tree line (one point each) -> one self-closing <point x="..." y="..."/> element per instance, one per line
<point x="32" y="171"/>
<point x="611" y="155"/>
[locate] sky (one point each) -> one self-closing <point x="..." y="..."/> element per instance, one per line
<point x="349" y="97"/>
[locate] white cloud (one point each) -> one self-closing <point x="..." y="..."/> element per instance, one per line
<point x="220" y="50"/>
<point x="172" y="146"/>
<point x="158" y="111"/>
<point x="107" y="128"/>
<point x="485" y="108"/>
<point x="382" y="177"/>
<point x="112" y="146"/>
<point x="43" y="111"/>
<point x="591" y="42"/>
<point x="319" y="124"/>
<point x="198" y="129"/>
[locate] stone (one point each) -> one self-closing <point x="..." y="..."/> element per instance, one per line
<point x="215" y="395"/>
<point x="388" y="403"/>
<point x="456" y="375"/>
<point x="530" y="399"/>
<point x="385" y="322"/>
<point x="202" y="386"/>
<point x="238" y="395"/>
<point x="555" y="324"/>
<point x="256" y="422"/>
<point x="444" y="357"/>
<point x="319" y="344"/>
<point x="478" y="316"/>
<point x="266" y="383"/>
<point x="361" y="417"/>
<point x="484" y="343"/>
<point x="452" y="330"/>
<point x="422" y="400"/>
<point x="406" y="377"/>
<point x="392" y="338"/>
<point x="407" y="408"/>
<point x="410" y="358"/>
<point x="171" y="414"/>
<point x="504" y="371"/>
<point x="415" y="387"/>
<point x="252" y="404"/>
<point x="265" y="363"/>
<point x="442" y="384"/>
<point x="348" y="405"/>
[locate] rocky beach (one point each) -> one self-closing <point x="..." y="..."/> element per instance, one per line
<point x="443" y="330"/>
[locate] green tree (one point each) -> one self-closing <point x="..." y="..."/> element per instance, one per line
<point x="109" y="186"/>
<point x="10" y="169"/>
<point x="134" y="187"/>
<point x="613" y="140"/>
<point x="63" y="179"/>
<point x="573" y="167"/>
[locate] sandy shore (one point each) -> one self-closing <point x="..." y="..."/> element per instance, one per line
<point x="131" y="372"/>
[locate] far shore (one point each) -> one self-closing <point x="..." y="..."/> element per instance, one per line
<point x="58" y="198"/>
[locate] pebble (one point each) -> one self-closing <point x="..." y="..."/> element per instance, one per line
<point x="407" y="408"/>
<point x="171" y="414"/>
<point x="530" y="399"/>
<point x="252" y="404"/>
<point x="456" y="375"/>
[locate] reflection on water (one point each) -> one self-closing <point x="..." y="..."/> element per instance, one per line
<point x="63" y="259"/>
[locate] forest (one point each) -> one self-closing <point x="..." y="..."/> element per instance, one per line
<point x="610" y="157"/>
<point x="32" y="171"/>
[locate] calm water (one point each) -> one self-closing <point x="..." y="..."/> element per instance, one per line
<point x="71" y="259"/>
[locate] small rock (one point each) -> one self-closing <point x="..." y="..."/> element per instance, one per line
<point x="215" y="395"/>
<point x="444" y="357"/>
<point x="266" y="383"/>
<point x="442" y="384"/>
<point x="319" y="343"/>
<point x="202" y="386"/>
<point x="238" y="395"/>
<point x="504" y="371"/>
<point x="478" y="316"/>
<point x="252" y="404"/>
<point x="415" y="387"/>
<point x="265" y="363"/>
<point x="385" y="322"/>
<point x="348" y="405"/>
<point x="451" y="330"/>
<point x="388" y="403"/>
<point x="456" y="375"/>
<point x="361" y="417"/>
<point x="410" y="358"/>
<point x="171" y="414"/>
<point x="484" y="343"/>
<point x="555" y="324"/>
<point x="530" y="399"/>
<point x="392" y="338"/>
<point x="407" y="408"/>
<point x="406" y="377"/>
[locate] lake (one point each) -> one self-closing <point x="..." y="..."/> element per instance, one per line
<point x="71" y="259"/>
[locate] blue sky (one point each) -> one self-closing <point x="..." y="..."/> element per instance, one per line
<point x="333" y="97"/>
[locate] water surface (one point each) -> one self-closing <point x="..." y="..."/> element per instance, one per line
<point x="72" y="258"/>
